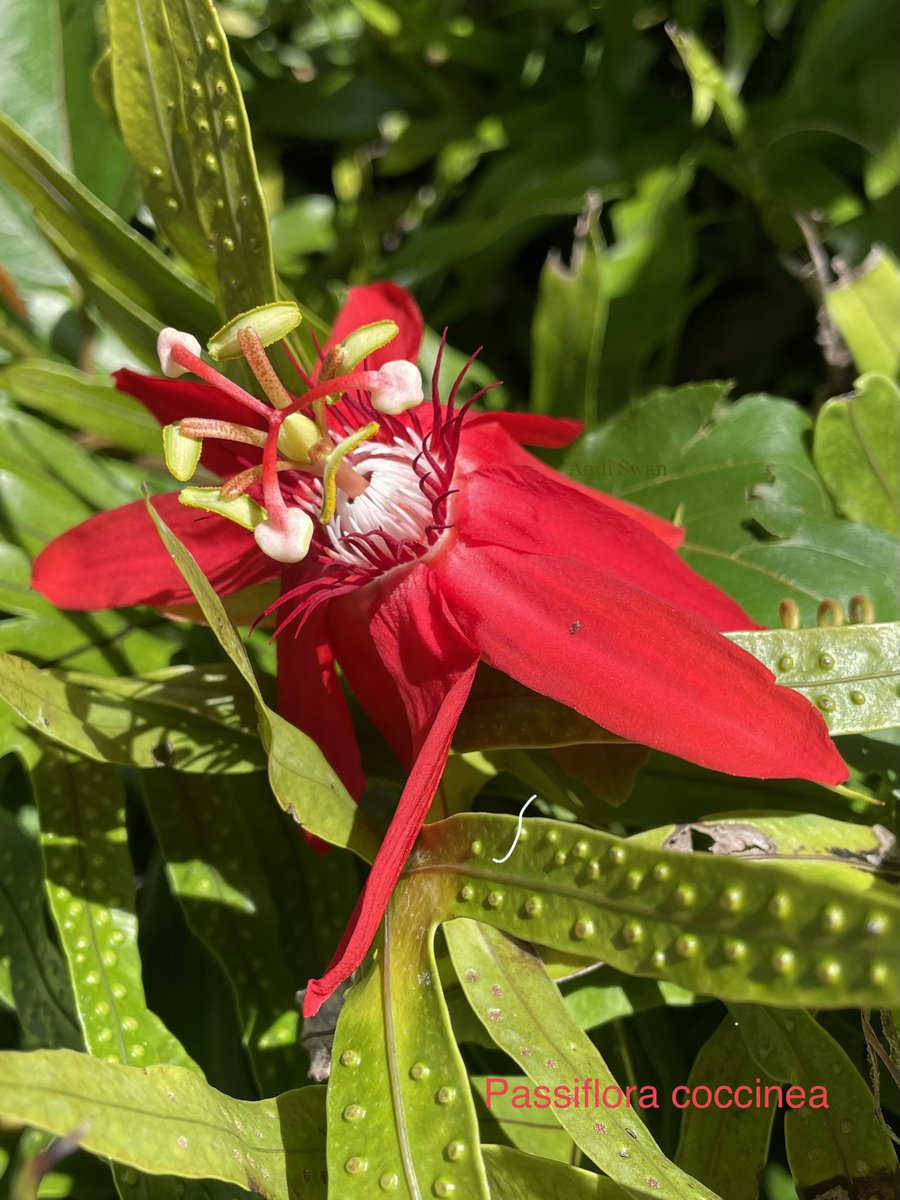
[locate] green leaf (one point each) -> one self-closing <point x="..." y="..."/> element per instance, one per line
<point x="90" y="888"/>
<point x="95" y="641"/>
<point x="314" y="894"/>
<point x="850" y="672"/>
<point x="810" y="836"/>
<point x="85" y="404"/>
<point x="106" y="250"/>
<point x="520" y="1007"/>
<point x="726" y="1148"/>
<point x="864" y="308"/>
<point x="856" y="438"/>
<point x="28" y="28"/>
<point x="568" y="326"/>
<point x="182" y="117"/>
<point x="223" y="889"/>
<point x="758" y="520"/>
<point x="400" y="1110"/>
<point x="128" y="730"/>
<point x="31" y="447"/>
<point x="842" y="1146"/>
<point x="666" y="785"/>
<point x="780" y="931"/>
<point x="39" y="987"/>
<point x="303" y="783"/>
<point x="537" y="1133"/>
<point x="187" y="1129"/>
<point x="502" y="713"/>
<point x="516" y="1176"/>
<point x="711" y="87"/>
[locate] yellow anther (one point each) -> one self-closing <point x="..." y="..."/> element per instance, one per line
<point x="331" y="463"/>
<point x="270" y="322"/>
<point x="182" y="453"/>
<point x="243" y="510"/>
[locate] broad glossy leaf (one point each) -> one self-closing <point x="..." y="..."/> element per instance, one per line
<point x="725" y="1147"/>
<point x="758" y="520"/>
<point x="126" y="729"/>
<point x="87" y="405"/>
<point x="182" y="117"/>
<point x="520" y="1007"/>
<point x="864" y="307"/>
<point x="400" y="1110"/>
<point x="39" y="987"/>
<point x="568" y="326"/>
<point x="513" y="1175"/>
<point x="727" y="927"/>
<point x="105" y="248"/>
<point x="275" y="1148"/>
<point x="842" y="1146"/>
<point x="854" y="448"/>
<point x="303" y="783"/>
<point x="223" y="889"/>
<point x="850" y="672"/>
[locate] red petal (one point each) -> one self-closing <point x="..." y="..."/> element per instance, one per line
<point x="310" y="696"/>
<point x="533" y="429"/>
<point x="489" y="445"/>
<point x="171" y="399"/>
<point x="433" y="665"/>
<point x="634" y="664"/>
<point x="534" y="511"/>
<point x="381" y="302"/>
<point x="117" y="558"/>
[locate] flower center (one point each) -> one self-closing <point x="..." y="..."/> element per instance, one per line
<point x="345" y="467"/>
<point x="393" y="503"/>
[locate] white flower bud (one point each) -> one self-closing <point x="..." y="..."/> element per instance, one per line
<point x="166" y="343"/>
<point x="400" y="388"/>
<point x="290" y="543"/>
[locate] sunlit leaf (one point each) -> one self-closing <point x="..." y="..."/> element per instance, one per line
<point x="850" y="672"/>
<point x="854" y="448"/>
<point x="713" y="924"/>
<point x="400" y="1109"/>
<point x="508" y="987"/>
<point x="273" y="1147"/>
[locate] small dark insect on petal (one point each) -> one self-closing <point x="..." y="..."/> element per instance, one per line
<point x="574" y="627"/>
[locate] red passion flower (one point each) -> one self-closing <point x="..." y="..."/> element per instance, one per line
<point x="413" y="541"/>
